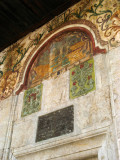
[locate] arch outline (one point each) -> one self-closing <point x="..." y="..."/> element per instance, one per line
<point x="99" y="46"/>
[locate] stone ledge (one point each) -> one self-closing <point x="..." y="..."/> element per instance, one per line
<point x="76" y="145"/>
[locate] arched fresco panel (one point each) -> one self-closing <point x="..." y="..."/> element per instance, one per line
<point x="61" y="52"/>
<point x="70" y="50"/>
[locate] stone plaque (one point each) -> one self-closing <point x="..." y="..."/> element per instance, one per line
<point x="55" y="124"/>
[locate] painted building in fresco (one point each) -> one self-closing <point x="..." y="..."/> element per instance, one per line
<point x="59" y="88"/>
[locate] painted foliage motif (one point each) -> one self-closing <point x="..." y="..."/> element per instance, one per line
<point x="104" y="14"/>
<point x="82" y="79"/>
<point x="63" y="51"/>
<point x="32" y="100"/>
<point x="11" y="64"/>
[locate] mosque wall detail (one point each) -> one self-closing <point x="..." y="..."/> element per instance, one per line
<point x="61" y="53"/>
<point x="59" y="87"/>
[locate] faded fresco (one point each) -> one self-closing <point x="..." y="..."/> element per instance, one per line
<point x="32" y="100"/>
<point x="82" y="79"/>
<point x="104" y="14"/>
<point x="63" y="51"/>
<point x="11" y="64"/>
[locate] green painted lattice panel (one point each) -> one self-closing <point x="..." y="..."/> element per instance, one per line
<point x="32" y="100"/>
<point x="82" y="79"/>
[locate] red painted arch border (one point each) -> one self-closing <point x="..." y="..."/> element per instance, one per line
<point x="96" y="50"/>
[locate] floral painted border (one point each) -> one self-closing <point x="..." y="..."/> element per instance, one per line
<point x="103" y="14"/>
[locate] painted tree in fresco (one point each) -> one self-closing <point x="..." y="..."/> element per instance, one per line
<point x="82" y="79"/>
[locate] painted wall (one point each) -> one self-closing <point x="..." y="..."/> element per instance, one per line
<point x="72" y="60"/>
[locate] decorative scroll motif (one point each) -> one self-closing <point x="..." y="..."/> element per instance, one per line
<point x="102" y="14"/>
<point x="114" y="29"/>
<point x="12" y="65"/>
<point x="87" y="9"/>
<point x="82" y="79"/>
<point x="9" y="73"/>
<point x="63" y="51"/>
<point x="32" y="100"/>
<point x="55" y="124"/>
<point x="95" y="10"/>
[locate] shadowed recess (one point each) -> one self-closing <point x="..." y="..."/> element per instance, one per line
<point x="19" y="17"/>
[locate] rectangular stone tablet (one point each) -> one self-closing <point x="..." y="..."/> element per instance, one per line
<point x="55" y="124"/>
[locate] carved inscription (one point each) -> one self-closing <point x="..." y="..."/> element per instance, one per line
<point x="55" y="124"/>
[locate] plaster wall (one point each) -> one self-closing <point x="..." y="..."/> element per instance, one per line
<point x="96" y="116"/>
<point x="96" y="132"/>
<point x="114" y="58"/>
<point x="92" y="112"/>
<point x="5" y="107"/>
